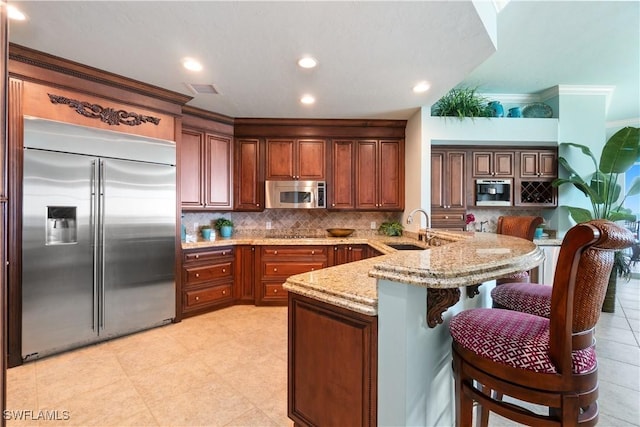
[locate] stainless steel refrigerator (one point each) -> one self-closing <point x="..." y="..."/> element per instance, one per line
<point x="98" y="235"/>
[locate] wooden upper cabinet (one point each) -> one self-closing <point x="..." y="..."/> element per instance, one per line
<point x="219" y="172"/>
<point x="379" y="175"/>
<point x="205" y="170"/>
<point x="488" y="164"/>
<point x="249" y="175"/>
<point x="341" y="189"/>
<point x="448" y="183"/>
<point x="542" y="163"/>
<point x="191" y="191"/>
<point x="303" y="159"/>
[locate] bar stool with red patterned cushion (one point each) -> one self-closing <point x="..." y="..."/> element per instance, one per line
<point x="545" y="361"/>
<point x="517" y="226"/>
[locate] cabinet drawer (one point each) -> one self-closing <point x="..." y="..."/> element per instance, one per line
<point x="208" y="272"/>
<point x="208" y="255"/>
<point x="449" y="216"/>
<point x="208" y="295"/>
<point x="286" y="269"/>
<point x="273" y="291"/>
<point x="294" y="252"/>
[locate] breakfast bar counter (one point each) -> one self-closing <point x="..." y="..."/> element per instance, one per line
<point x="368" y="340"/>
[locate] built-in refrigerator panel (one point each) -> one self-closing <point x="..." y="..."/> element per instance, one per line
<point x="58" y="298"/>
<point x="138" y="208"/>
<point x="99" y="218"/>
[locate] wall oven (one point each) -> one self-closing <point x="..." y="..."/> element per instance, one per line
<point x="494" y="192"/>
<point x="295" y="194"/>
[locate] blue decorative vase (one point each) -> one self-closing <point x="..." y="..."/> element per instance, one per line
<point x="496" y="109"/>
<point x="515" y="112"/>
<point x="184" y="230"/>
<point x="206" y="233"/>
<point x="226" y="230"/>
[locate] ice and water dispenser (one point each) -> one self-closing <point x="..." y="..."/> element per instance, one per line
<point x="61" y="225"/>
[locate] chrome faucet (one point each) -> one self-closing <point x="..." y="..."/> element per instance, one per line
<point x="426" y="216"/>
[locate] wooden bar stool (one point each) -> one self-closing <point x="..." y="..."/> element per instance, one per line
<point x="545" y="361"/>
<point x="517" y="226"/>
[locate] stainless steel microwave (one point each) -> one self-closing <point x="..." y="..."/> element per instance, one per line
<point x="295" y="194"/>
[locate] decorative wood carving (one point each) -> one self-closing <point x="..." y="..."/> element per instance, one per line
<point x="107" y="115"/>
<point x="438" y="301"/>
<point x="472" y="290"/>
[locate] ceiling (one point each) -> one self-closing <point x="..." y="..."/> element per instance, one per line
<point x="370" y="54"/>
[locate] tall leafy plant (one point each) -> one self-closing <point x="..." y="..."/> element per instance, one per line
<point x="462" y="102"/>
<point x="602" y="186"/>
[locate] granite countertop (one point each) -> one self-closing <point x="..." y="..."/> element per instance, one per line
<point x="465" y="259"/>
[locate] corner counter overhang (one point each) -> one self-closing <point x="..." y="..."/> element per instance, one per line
<point x="467" y="259"/>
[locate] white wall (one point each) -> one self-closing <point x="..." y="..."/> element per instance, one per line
<point x="417" y="173"/>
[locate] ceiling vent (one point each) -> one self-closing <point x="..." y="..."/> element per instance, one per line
<point x="198" y="89"/>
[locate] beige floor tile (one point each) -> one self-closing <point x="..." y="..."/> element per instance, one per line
<point x="618" y="402"/>
<point x="145" y="353"/>
<point x="215" y="404"/>
<point x="107" y="406"/>
<point x="620" y="373"/>
<point x="254" y="417"/>
<point x="623" y="336"/>
<point x="21" y="388"/>
<point x="621" y="352"/>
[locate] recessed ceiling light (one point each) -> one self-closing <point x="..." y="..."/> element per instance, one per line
<point x="421" y="87"/>
<point x="307" y="99"/>
<point x="15" y="14"/>
<point x="307" y="62"/>
<point x="191" y="64"/>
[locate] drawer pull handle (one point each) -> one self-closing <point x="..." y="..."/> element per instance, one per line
<point x="349" y="247"/>
<point x="224" y="270"/>
<point x="224" y="292"/>
<point x="197" y="274"/>
<point x="275" y="291"/>
<point x="224" y="253"/>
<point x="275" y="269"/>
<point x="197" y="256"/>
<point x="275" y="252"/>
<point x="313" y="269"/>
<point x="197" y="298"/>
<point x="313" y="252"/>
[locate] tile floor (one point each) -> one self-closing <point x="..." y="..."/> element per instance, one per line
<point x="228" y="368"/>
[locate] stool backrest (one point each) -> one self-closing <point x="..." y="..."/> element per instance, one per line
<point x="579" y="285"/>
<point x="519" y="226"/>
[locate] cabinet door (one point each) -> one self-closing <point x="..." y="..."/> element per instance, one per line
<point x="438" y="160"/>
<point x="391" y="175"/>
<point x="280" y="159"/>
<point x="366" y="175"/>
<point x="482" y="164"/>
<point x="310" y="161"/>
<point x="455" y="187"/>
<point x="528" y="164"/>
<point x="218" y="172"/>
<point x="249" y="180"/>
<point x="190" y="169"/>
<point x="244" y="290"/>
<point x="548" y="164"/>
<point x="341" y="188"/>
<point x="503" y="164"/>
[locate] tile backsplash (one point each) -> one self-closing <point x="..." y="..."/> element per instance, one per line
<point x="302" y="220"/>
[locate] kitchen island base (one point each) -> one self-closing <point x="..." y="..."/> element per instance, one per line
<point x="347" y="368"/>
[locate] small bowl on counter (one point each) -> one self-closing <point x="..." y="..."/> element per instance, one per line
<point x="340" y="232"/>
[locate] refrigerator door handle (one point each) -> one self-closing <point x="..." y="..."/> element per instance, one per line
<point x="93" y="231"/>
<point x="101" y="210"/>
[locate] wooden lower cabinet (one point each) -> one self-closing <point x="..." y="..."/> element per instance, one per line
<point x="276" y="263"/>
<point x="331" y="384"/>
<point x="343" y="254"/>
<point x="207" y="279"/>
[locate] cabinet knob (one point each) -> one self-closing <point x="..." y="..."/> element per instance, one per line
<point x="224" y="292"/>
<point x="446" y="217"/>
<point x="224" y="253"/>
<point x="197" y="274"/>
<point x="335" y="248"/>
<point x="197" y="298"/>
<point x="275" y="291"/>
<point x="333" y="204"/>
<point x="349" y="247"/>
<point x="258" y="204"/>
<point x="224" y="270"/>
<point x="197" y="256"/>
<point x="275" y="269"/>
<point x="313" y="252"/>
<point x="275" y="252"/>
<point x="312" y="269"/>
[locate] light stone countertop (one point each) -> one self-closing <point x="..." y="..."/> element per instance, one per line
<point x="474" y="258"/>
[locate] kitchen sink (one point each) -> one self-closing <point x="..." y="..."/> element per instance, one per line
<point x="405" y="246"/>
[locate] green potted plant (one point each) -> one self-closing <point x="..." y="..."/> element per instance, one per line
<point x="392" y="228"/>
<point x="224" y="226"/>
<point x="604" y="192"/>
<point x="461" y="103"/>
